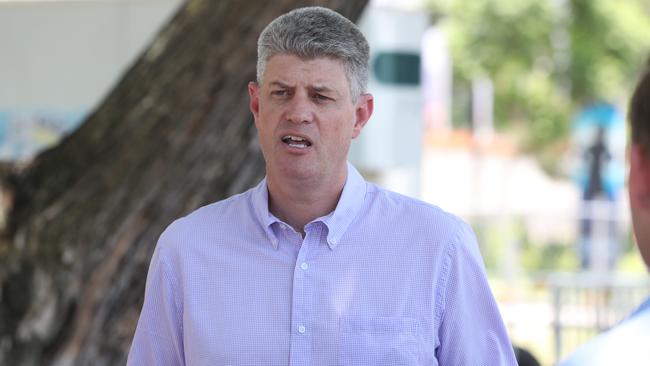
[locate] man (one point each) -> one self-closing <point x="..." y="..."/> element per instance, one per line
<point x="315" y="266"/>
<point x="628" y="343"/>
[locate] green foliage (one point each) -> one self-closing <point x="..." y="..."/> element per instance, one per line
<point x="609" y="41"/>
<point x="501" y="240"/>
<point x="549" y="257"/>
<point x="630" y="260"/>
<point x="493" y="240"/>
<point x="546" y="59"/>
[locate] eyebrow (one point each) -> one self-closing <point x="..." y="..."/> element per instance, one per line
<point x="323" y="89"/>
<point x="279" y="83"/>
<point x="316" y="88"/>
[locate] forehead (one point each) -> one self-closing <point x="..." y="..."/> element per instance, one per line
<point x="291" y="69"/>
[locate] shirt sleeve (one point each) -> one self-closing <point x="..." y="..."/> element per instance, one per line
<point x="471" y="330"/>
<point x="158" y="338"/>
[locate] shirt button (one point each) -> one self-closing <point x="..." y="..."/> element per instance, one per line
<point x="301" y="329"/>
<point x="304" y="266"/>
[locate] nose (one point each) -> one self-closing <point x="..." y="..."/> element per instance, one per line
<point x="300" y="109"/>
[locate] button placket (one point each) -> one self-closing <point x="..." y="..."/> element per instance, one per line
<point x="303" y="299"/>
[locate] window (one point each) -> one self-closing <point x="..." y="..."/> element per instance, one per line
<point x="397" y="68"/>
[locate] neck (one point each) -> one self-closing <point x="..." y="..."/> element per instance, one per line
<point x="297" y="202"/>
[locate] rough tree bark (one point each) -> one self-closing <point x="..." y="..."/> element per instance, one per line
<point x="84" y="216"/>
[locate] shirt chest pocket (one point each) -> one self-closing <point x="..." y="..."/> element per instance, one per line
<point x="378" y="341"/>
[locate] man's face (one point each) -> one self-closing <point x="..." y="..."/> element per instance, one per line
<point x="639" y="187"/>
<point x="305" y="117"/>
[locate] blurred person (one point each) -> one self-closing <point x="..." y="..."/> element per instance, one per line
<point x="315" y="265"/>
<point x="628" y="343"/>
<point x="598" y="229"/>
<point x="524" y="357"/>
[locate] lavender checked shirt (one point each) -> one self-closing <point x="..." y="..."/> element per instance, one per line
<point x="382" y="280"/>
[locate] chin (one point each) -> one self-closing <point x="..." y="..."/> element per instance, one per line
<point x="298" y="171"/>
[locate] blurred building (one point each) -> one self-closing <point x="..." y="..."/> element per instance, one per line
<point x="60" y="58"/>
<point x="389" y="151"/>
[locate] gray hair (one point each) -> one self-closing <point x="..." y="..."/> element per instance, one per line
<point x="317" y="32"/>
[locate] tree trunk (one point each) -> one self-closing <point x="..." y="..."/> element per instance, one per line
<point x="84" y="216"/>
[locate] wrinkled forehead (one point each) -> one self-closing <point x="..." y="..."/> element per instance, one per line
<point x="323" y="70"/>
<point x="316" y="70"/>
<point x="306" y="58"/>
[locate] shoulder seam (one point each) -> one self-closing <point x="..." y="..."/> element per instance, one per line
<point x="441" y="297"/>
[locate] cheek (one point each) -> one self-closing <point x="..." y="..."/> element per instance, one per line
<point x="641" y="227"/>
<point x="265" y="121"/>
<point x="642" y="236"/>
<point x="337" y="130"/>
<point x="264" y="137"/>
<point x="346" y="129"/>
<point x="342" y="135"/>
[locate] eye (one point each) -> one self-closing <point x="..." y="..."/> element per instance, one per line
<point x="279" y="93"/>
<point x="321" y="97"/>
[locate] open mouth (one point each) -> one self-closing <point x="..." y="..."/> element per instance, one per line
<point x="297" y="142"/>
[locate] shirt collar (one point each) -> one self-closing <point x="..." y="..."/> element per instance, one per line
<point x="348" y="207"/>
<point x="337" y="222"/>
<point x="260" y="201"/>
<point x="645" y="306"/>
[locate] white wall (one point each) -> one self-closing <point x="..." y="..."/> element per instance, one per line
<point x="68" y="53"/>
<point x="58" y="59"/>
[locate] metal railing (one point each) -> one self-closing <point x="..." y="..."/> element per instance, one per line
<point x="586" y="304"/>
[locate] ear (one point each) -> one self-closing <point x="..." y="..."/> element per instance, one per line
<point x="254" y="103"/>
<point x="363" y="111"/>
<point x="639" y="181"/>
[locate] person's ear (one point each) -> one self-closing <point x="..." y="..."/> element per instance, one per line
<point x="364" y="107"/>
<point x="254" y="103"/>
<point x="639" y="183"/>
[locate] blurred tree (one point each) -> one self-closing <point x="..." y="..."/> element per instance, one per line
<point x="609" y="43"/>
<point x="546" y="59"/>
<point x="84" y="216"/>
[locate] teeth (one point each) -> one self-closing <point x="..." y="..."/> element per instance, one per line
<point x="295" y="141"/>
<point x="301" y="146"/>
<point x="293" y="138"/>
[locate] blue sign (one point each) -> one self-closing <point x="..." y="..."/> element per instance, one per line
<point x="599" y="135"/>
